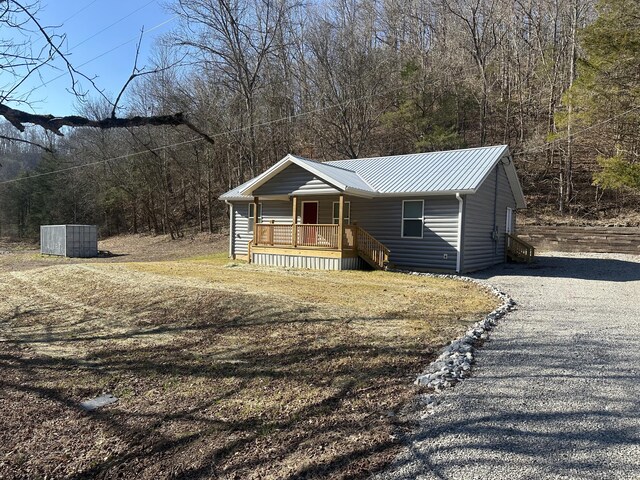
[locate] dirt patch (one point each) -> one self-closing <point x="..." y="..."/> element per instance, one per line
<point x="222" y="370"/>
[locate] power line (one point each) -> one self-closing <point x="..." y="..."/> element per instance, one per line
<point x="268" y="123"/>
<point x="110" y="26"/>
<point x="98" y="162"/>
<point x="125" y="43"/>
<point x="221" y="134"/>
<point x="155" y="27"/>
<point x="574" y="135"/>
<point x="79" y="11"/>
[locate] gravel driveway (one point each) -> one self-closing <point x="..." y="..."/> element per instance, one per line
<point x="556" y="391"/>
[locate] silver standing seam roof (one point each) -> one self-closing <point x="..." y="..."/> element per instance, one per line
<point x="433" y="173"/>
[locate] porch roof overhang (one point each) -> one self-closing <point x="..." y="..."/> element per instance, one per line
<point x="343" y="180"/>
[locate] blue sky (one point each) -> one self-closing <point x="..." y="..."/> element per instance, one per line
<point x="93" y="28"/>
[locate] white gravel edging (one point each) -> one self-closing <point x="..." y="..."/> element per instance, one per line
<point x="455" y="361"/>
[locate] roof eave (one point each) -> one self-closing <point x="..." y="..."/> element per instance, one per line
<point x="514" y="181"/>
<point x="366" y="194"/>
<point x="356" y="192"/>
<point x="512" y="177"/>
<point x="430" y="193"/>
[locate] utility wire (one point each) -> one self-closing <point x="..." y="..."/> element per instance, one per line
<point x="268" y="123"/>
<point x="132" y="39"/>
<point x="257" y="125"/>
<point x="578" y="133"/>
<point x="78" y="12"/>
<point x="110" y="26"/>
<point x="99" y="162"/>
<point x="221" y="134"/>
<point x="279" y="120"/>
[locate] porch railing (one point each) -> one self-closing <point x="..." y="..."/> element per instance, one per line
<point x="518" y="250"/>
<point x="305" y="235"/>
<point x="323" y="236"/>
<point x="273" y="234"/>
<point x="370" y="249"/>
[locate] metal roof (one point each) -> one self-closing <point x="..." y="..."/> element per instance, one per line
<point x="234" y="193"/>
<point x="343" y="177"/>
<point x="433" y="173"/>
<point x="449" y="171"/>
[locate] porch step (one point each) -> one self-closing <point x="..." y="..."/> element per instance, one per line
<point x="371" y="250"/>
<point x="375" y="265"/>
<point x="518" y="250"/>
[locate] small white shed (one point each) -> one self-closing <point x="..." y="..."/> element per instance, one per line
<point x="69" y="240"/>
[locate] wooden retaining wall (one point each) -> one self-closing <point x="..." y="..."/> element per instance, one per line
<point x="582" y="239"/>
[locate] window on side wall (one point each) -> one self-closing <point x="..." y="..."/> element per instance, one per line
<point x="346" y="212"/>
<point x="412" y="218"/>
<point x="250" y="215"/>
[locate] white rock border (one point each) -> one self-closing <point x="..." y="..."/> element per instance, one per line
<point x="455" y="361"/>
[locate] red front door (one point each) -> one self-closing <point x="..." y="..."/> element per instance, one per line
<point x="309" y="217"/>
<point x="310" y="212"/>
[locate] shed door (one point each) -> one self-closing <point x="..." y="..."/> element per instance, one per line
<point x="509" y="224"/>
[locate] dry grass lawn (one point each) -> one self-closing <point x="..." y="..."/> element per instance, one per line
<point x="223" y="370"/>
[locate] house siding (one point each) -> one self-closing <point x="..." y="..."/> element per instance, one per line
<point x="278" y="211"/>
<point x="382" y="218"/>
<point x="479" y="248"/>
<point x="295" y="180"/>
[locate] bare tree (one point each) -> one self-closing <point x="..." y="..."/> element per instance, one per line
<point x="349" y="77"/>
<point x="482" y="23"/>
<point x="235" y="39"/>
<point x="20" y="61"/>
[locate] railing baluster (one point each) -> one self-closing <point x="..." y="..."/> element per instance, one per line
<point x="519" y="248"/>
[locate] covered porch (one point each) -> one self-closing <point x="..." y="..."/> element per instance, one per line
<point x="306" y="243"/>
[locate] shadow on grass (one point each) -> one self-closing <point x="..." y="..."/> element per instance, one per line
<point x="271" y="392"/>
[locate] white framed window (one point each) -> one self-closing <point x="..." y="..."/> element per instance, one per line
<point x="250" y="215"/>
<point x="412" y="218"/>
<point x="346" y="212"/>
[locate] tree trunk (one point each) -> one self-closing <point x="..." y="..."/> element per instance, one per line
<point x="568" y="164"/>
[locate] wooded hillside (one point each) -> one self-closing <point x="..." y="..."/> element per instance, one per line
<point x="556" y="80"/>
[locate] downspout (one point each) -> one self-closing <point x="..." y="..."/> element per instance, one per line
<point x="459" y="246"/>
<point x="230" y="228"/>
<point x="494" y="233"/>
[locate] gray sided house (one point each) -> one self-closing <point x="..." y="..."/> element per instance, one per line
<point x="451" y="211"/>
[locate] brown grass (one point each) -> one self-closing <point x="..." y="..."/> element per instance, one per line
<point x="223" y="370"/>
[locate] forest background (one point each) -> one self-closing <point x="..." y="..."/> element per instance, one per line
<point x="556" y="80"/>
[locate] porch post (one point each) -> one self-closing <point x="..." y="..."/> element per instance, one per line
<point x="294" y="226"/>
<point x="355" y="235"/>
<point x="340" y="221"/>
<point x="255" y="220"/>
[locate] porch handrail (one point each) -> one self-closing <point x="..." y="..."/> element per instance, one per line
<point x="518" y="249"/>
<point x="371" y="249"/>
<point x="323" y="235"/>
